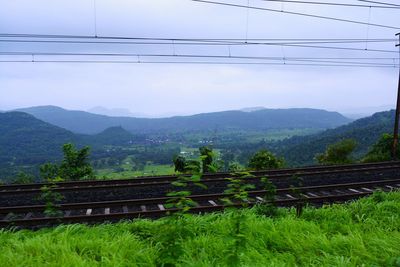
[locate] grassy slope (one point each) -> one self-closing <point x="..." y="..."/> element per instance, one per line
<point x="363" y="233"/>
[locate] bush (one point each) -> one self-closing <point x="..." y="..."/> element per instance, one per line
<point x="264" y="160"/>
<point x="338" y="153"/>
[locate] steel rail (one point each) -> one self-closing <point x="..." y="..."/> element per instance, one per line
<point x="96" y="218"/>
<point x="163" y="200"/>
<point x="170" y="178"/>
<point x="207" y="180"/>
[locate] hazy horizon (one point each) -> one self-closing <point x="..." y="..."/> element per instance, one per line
<point x="354" y="113"/>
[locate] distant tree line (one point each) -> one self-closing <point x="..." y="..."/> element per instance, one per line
<point x="76" y="164"/>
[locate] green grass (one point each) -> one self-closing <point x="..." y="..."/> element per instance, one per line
<point x="363" y="233"/>
<point x="149" y="170"/>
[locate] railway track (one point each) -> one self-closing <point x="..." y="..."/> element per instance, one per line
<point x="93" y="185"/>
<point x="103" y="211"/>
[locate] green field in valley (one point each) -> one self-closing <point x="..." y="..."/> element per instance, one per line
<point x="148" y="170"/>
<point x="362" y="233"/>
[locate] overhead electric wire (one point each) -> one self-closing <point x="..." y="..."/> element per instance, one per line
<point x="333" y="4"/>
<point x="298" y="14"/>
<point x="207" y="43"/>
<point x="222" y="43"/>
<point x="390" y="5"/>
<point x="304" y="59"/>
<point x="198" y="40"/>
<point x="196" y="63"/>
<point x="202" y="44"/>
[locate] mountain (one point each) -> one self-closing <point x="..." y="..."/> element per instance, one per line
<point x="116" y="136"/>
<point x="361" y="112"/>
<point x="23" y="134"/>
<point x="259" y="120"/>
<point x="26" y="141"/>
<point x="366" y="131"/>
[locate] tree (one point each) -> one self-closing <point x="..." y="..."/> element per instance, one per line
<point x="24" y="178"/>
<point x="263" y="160"/>
<point x="228" y="157"/>
<point x="49" y="171"/>
<point x="381" y="150"/>
<point x="338" y="153"/>
<point x="207" y="157"/>
<point x="179" y="163"/>
<point x="75" y="165"/>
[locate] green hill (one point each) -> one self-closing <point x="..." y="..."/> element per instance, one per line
<point x="26" y="141"/>
<point x="116" y="136"/>
<point x="366" y="131"/>
<point x="23" y="134"/>
<point x="259" y="120"/>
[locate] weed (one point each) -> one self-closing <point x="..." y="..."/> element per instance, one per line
<point x="238" y="189"/>
<point x="51" y="198"/>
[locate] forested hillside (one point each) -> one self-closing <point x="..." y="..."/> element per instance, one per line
<point x="259" y="120"/>
<point x="300" y="150"/>
<point x="25" y="140"/>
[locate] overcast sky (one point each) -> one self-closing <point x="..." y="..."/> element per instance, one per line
<point x="185" y="88"/>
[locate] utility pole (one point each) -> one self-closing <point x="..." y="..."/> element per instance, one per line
<point x="396" y="122"/>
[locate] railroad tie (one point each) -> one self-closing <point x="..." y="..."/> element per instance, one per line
<point x="324" y="193"/>
<point x="107" y="211"/>
<point x="143" y="208"/>
<point x="125" y="209"/>
<point x="212" y="202"/>
<point x="8" y="216"/>
<point x="161" y="206"/>
<point x="353" y="190"/>
<point x="338" y="191"/>
<point x="290" y="196"/>
<point x="88" y="212"/>
<point x="367" y="189"/>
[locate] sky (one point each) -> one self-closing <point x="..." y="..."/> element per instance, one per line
<point x="171" y="89"/>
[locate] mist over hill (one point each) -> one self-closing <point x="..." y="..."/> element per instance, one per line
<point x="258" y="120"/>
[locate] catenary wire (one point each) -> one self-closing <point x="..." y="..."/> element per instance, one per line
<point x="195" y="63"/>
<point x="298" y="14"/>
<point x="381" y="3"/>
<point x="320" y="60"/>
<point x="333" y="4"/>
<point x="268" y="44"/>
